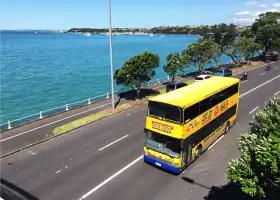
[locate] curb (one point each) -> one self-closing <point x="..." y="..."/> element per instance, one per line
<point x="54" y="136"/>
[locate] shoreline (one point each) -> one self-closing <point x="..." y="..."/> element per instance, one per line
<point x="132" y="33"/>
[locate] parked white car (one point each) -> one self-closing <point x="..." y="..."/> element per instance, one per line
<point x="202" y="77"/>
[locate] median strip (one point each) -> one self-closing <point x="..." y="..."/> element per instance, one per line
<point x="103" y="114"/>
<point x="89" y="119"/>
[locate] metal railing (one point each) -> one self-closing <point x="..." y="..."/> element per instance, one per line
<point x="68" y="106"/>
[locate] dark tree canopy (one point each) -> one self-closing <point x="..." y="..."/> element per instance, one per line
<point x="138" y="70"/>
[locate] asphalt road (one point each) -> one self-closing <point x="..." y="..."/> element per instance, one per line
<point x="103" y="160"/>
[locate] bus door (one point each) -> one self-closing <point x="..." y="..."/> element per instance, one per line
<point x="186" y="152"/>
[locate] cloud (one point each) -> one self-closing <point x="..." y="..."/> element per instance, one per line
<point x="276" y="5"/>
<point x="247" y="18"/>
<point x="273" y="10"/>
<point x="243" y="14"/>
<point x="262" y="6"/>
<point x="244" y="18"/>
<point x="251" y="3"/>
<point x="256" y="4"/>
<point x="244" y="21"/>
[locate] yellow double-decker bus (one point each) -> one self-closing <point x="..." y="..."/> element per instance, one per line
<point x="181" y="124"/>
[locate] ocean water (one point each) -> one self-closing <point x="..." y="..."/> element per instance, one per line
<point x="41" y="71"/>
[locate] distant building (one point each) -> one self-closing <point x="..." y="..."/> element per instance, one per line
<point x="209" y="35"/>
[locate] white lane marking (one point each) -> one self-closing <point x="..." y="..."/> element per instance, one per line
<point x="57" y="171"/>
<point x="216" y="142"/>
<point x="253" y="110"/>
<point x="110" y="178"/>
<point x="52" y="122"/>
<point x="113" y="142"/>
<point x="259" y="86"/>
<point x="262" y="74"/>
<point x="276" y="93"/>
<point x="244" y="81"/>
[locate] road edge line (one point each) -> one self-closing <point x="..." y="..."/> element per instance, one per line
<point x="55" y="136"/>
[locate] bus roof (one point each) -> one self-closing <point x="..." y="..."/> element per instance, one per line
<point x="186" y="96"/>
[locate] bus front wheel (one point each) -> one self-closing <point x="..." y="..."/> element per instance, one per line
<point x="198" y="151"/>
<point x="227" y="127"/>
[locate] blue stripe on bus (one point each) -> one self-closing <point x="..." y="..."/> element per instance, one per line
<point x="162" y="165"/>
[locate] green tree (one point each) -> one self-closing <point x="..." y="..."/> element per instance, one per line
<point x="138" y="70"/>
<point x="242" y="47"/>
<point x="257" y="171"/>
<point x="234" y="51"/>
<point x="267" y="30"/>
<point x="265" y="19"/>
<point x="250" y="50"/>
<point x="224" y="35"/>
<point x="201" y="53"/>
<point x="268" y="37"/>
<point x="277" y="46"/>
<point x="174" y="63"/>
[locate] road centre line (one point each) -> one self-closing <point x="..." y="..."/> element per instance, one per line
<point x="259" y="86"/>
<point x="253" y="110"/>
<point x="110" y="178"/>
<point x="276" y="93"/>
<point x="262" y="74"/>
<point x="113" y="142"/>
<point x="215" y="142"/>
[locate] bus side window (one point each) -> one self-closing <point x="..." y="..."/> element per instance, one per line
<point x="228" y="92"/>
<point x="234" y="89"/>
<point x="191" y="112"/>
<point x="215" y="99"/>
<point x="205" y="105"/>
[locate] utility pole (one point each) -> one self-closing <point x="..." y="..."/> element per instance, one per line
<point x="111" y="54"/>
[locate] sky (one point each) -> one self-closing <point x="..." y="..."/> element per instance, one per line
<point x="66" y="14"/>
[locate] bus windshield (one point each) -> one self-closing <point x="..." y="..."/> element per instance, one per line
<point x="163" y="144"/>
<point x="164" y="111"/>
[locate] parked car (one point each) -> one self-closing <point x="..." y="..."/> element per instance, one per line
<point x="223" y="72"/>
<point x="202" y="77"/>
<point x="275" y="58"/>
<point x="174" y="85"/>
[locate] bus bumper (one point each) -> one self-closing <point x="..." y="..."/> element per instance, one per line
<point x="162" y="165"/>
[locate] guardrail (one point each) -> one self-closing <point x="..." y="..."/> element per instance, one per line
<point x="68" y="106"/>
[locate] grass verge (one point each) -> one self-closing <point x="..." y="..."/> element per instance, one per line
<point x="89" y="119"/>
<point x="102" y="114"/>
<point x="246" y="67"/>
<point x="80" y="122"/>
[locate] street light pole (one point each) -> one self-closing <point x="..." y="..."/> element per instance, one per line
<point x="111" y="54"/>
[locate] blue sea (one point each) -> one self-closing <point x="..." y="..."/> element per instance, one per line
<point x="43" y="70"/>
